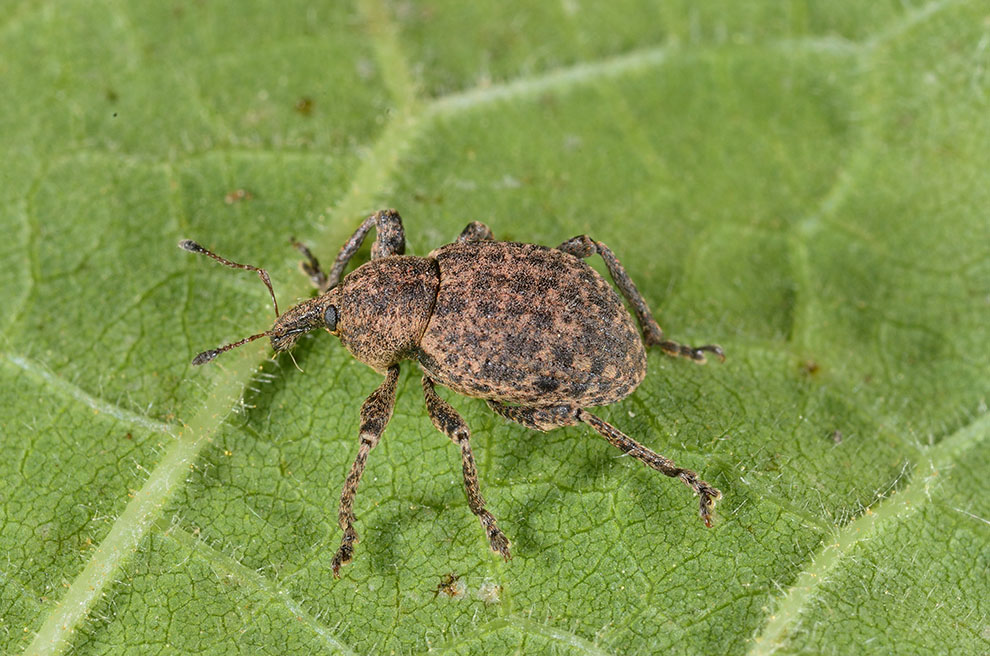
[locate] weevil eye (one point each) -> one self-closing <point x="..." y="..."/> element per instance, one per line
<point x="330" y="317"/>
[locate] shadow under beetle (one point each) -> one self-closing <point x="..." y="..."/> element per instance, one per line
<point x="533" y="330"/>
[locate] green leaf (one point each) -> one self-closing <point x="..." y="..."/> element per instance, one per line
<point x="806" y="184"/>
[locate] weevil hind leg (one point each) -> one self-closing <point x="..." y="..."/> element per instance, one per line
<point x="584" y="246"/>
<point x="448" y="422"/>
<point x="390" y="239"/>
<point x="550" y="417"/>
<point x="375" y="413"/>
<point x="538" y="418"/>
<point x="707" y="494"/>
<point x="475" y="231"/>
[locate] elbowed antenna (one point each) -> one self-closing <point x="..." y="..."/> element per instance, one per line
<point x="190" y="245"/>
<point x="207" y="356"/>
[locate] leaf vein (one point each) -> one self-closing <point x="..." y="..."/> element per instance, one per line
<point x="895" y="508"/>
<point x="258" y="583"/>
<point x="73" y="391"/>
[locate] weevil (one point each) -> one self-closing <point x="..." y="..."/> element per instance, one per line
<point x="534" y="331"/>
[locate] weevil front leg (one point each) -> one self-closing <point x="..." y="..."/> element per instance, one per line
<point x="311" y="266"/>
<point x="448" y="422"/>
<point x="550" y="417"/>
<point x="390" y="239"/>
<point x="375" y="413"/>
<point x="584" y="246"/>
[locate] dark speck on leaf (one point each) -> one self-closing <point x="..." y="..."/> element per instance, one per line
<point x="304" y="106"/>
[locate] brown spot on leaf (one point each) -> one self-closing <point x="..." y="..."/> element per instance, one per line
<point x="304" y="106"/>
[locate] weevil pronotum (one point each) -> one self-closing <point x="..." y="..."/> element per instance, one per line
<point x="532" y="330"/>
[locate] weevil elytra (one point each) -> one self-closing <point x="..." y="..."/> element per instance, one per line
<point x="534" y="331"/>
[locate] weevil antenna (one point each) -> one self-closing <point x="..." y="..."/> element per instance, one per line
<point x="190" y="245"/>
<point x="207" y="356"/>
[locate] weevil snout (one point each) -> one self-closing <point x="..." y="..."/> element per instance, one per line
<point x="298" y="320"/>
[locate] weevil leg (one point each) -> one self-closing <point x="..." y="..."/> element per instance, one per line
<point x="475" y="231"/>
<point x="390" y="239"/>
<point x="550" y="417"/>
<point x="707" y="494"/>
<point x="311" y="267"/>
<point x="375" y="413"/>
<point x="448" y="422"/>
<point x="584" y="246"/>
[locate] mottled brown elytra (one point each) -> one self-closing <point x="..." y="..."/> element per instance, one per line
<point x="533" y="330"/>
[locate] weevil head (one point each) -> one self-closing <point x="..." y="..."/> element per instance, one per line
<point x="379" y="311"/>
<point x="319" y="312"/>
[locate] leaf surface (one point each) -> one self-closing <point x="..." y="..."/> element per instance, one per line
<point x="804" y="184"/>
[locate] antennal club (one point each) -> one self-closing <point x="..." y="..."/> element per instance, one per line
<point x="190" y="245"/>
